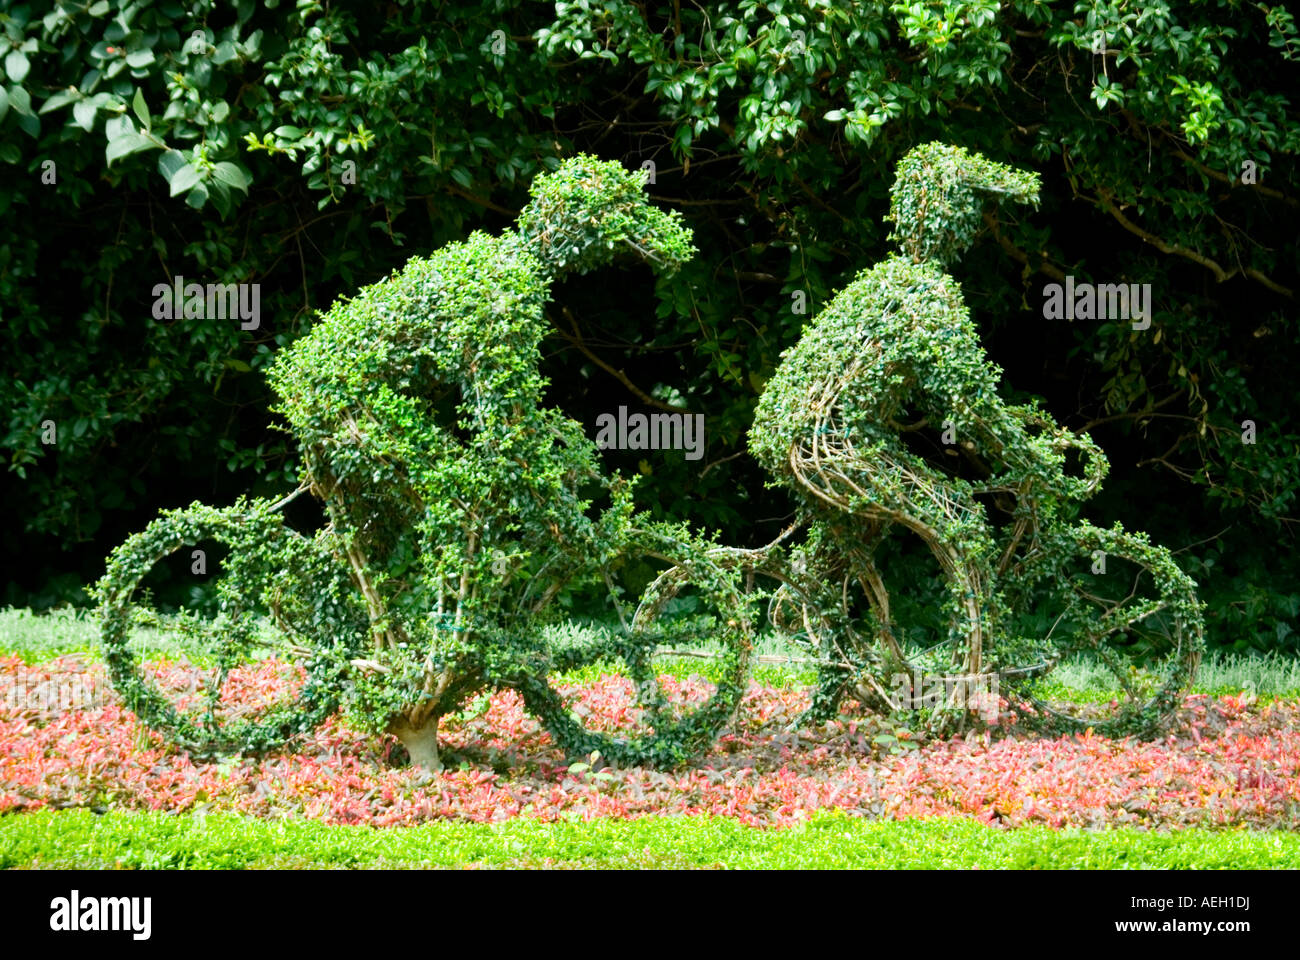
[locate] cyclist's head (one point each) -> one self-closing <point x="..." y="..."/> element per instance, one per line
<point x="588" y="213"/>
<point x="938" y="196"/>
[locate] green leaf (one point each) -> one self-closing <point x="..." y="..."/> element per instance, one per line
<point x="184" y="179"/>
<point x="118" y="126"/>
<point x="197" y="197"/>
<point x="126" y="145"/>
<point x="20" y="101"/>
<point x="231" y="174"/>
<point x="139" y="59"/>
<point x="140" y="109"/>
<point x="461" y="176"/>
<point x="17" y="65"/>
<point x="4" y="102"/>
<point x="83" y="113"/>
<point x="98" y="9"/>
<point x="219" y="194"/>
<point x="170" y="163"/>
<point x="60" y="99"/>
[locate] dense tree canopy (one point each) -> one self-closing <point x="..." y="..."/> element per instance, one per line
<point x="313" y="148"/>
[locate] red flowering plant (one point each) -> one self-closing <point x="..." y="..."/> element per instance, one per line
<point x="1235" y="764"/>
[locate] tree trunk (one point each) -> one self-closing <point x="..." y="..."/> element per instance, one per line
<point x="420" y="742"/>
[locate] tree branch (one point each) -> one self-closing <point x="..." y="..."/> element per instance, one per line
<point x="1105" y="200"/>
<point x="576" y="339"/>
<point x="733" y="456"/>
<point x="1133" y="415"/>
<point x="481" y="201"/>
<point x="1043" y="265"/>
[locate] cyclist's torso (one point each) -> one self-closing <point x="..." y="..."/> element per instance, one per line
<point x="882" y="348"/>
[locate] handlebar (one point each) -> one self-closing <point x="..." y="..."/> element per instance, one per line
<point x="1060" y="440"/>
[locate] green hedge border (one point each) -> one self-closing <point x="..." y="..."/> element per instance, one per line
<point x="81" y="839"/>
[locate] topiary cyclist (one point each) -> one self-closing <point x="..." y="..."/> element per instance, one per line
<point x="897" y="344"/>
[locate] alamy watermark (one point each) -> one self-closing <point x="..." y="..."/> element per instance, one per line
<point x="977" y="692"/>
<point x="75" y="913"/>
<point x="1101" y="301"/>
<point x="216" y="301"/>
<point x="49" y="695"/>
<point x="655" y="431"/>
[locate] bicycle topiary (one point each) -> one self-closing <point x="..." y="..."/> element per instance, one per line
<point x="898" y="345"/>
<point x="452" y="492"/>
<point x="463" y="530"/>
<point x="271" y="572"/>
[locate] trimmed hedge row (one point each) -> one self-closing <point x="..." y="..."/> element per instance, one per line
<point x="80" y="839"/>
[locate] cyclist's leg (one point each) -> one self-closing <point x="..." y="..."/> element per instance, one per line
<point x="893" y="486"/>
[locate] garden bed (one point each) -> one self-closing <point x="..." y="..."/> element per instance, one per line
<point x="1227" y="762"/>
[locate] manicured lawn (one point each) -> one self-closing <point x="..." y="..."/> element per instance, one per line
<point x="80" y="839"/>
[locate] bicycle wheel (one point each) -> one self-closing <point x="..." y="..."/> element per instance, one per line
<point x="263" y="663"/>
<point x="1095" y="611"/>
<point x="832" y="607"/>
<point x="833" y="599"/>
<point x="823" y="603"/>
<point x="813" y="610"/>
<point x="673" y="666"/>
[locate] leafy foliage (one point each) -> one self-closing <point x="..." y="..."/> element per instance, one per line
<point x="777" y="122"/>
<point x="79" y="840"/>
<point x="896" y="351"/>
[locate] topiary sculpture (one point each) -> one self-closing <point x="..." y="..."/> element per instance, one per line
<point x="418" y="407"/>
<point x="458" y="503"/>
<point x="899" y="341"/>
<point x="462" y="531"/>
<point x="896" y="350"/>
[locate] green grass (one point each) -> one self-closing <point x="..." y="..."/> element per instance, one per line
<point x="45" y="636"/>
<point x="79" y="839"/>
<point x="37" y="637"/>
<point x="1269" y="677"/>
<point x="768" y="674"/>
